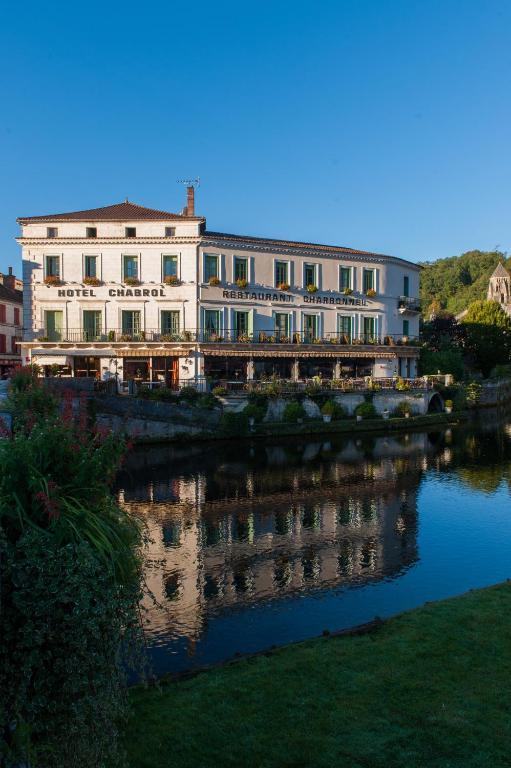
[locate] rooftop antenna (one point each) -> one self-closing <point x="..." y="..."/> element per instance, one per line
<point x="190" y="182"/>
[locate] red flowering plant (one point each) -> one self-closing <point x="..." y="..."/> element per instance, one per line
<point x="56" y="475"/>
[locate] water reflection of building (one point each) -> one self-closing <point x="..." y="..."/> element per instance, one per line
<point x="275" y="525"/>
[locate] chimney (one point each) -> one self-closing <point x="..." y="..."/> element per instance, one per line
<point x="10" y="280"/>
<point x="190" y="201"/>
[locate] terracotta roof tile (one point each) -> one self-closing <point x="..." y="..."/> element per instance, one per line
<point x="125" y="211"/>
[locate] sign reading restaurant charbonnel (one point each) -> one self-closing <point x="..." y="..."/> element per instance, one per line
<point x="289" y="298"/>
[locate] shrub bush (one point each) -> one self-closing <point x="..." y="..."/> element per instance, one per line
<point x="366" y="410"/>
<point x="219" y="391"/>
<point x="402" y="409"/>
<point x="335" y="410"/>
<point x="294" y="411"/>
<point x="70" y="588"/>
<point x="189" y="395"/>
<point x="208" y="401"/>
<point x="256" y="412"/>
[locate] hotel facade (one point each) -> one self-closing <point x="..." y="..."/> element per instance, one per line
<point x="135" y="293"/>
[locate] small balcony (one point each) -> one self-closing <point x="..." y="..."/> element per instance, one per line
<point x="257" y="339"/>
<point x="408" y="306"/>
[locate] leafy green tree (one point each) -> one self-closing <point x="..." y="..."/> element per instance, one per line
<point x="488" y="335"/>
<point x="452" y="284"/>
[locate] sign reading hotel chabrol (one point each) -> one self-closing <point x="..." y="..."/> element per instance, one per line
<point x="308" y="298"/>
<point x="70" y="292"/>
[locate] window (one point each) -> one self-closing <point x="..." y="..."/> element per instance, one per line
<point x="130" y="321"/>
<point x="53" y="324"/>
<point x="369" y="329"/>
<point x="210" y="266"/>
<point x="3" y="340"/>
<point x="240" y="324"/>
<point x="345" y="278"/>
<point x="240" y="269"/>
<point x="406" y="327"/>
<point x="91" y="324"/>
<point x="281" y="273"/>
<point x="130" y="231"/>
<point x="310" y="328"/>
<point x="52" y="232"/>
<point x="309" y="275"/>
<point x="406" y="285"/>
<point x="52" y="264"/>
<point x="169" y="266"/>
<point x="17" y="316"/>
<point x="3" y="313"/>
<point x="170" y="321"/>
<point x="345" y="327"/>
<point x="282" y="329"/>
<point x="91" y="232"/>
<point x="14" y="345"/>
<point x="90" y="266"/>
<point x="211" y="324"/>
<point x="368" y="280"/>
<point x="170" y="231"/>
<point x="130" y="267"/>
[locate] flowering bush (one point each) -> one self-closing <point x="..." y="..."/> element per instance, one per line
<point x="131" y="281"/>
<point x="241" y="282"/>
<point x="69" y="583"/>
<point x="283" y="286"/>
<point x="214" y="281"/>
<point x="171" y="280"/>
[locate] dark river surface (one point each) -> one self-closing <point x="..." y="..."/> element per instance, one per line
<point x="255" y="544"/>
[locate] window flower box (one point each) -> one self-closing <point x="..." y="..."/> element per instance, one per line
<point x="347" y="291"/>
<point x="52" y="280"/>
<point x="311" y="288"/>
<point x="241" y="282"/>
<point x="370" y="292"/>
<point x="214" y="281"/>
<point x="93" y="281"/>
<point x="171" y="280"/>
<point x="285" y="339"/>
<point x="131" y="281"/>
<point x="283" y="287"/>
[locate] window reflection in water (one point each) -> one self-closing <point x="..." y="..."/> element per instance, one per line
<point x="273" y="522"/>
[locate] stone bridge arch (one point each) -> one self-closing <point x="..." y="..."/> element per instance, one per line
<point x="435" y="402"/>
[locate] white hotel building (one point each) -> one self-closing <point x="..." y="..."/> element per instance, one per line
<point x="149" y="295"/>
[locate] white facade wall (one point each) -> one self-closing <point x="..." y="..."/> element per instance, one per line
<point x="193" y="296"/>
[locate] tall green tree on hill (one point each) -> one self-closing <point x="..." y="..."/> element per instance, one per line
<point x="454" y="283"/>
<point x="487" y="335"/>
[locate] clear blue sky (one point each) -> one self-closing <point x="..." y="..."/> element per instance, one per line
<point x="379" y="124"/>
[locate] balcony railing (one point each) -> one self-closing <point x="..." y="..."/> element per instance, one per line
<point x="225" y="337"/>
<point x="408" y="304"/>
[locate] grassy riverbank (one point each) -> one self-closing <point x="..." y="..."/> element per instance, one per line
<point x="429" y="688"/>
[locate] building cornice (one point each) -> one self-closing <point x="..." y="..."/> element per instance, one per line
<point x="89" y="241"/>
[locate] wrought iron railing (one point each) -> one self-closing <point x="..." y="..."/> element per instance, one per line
<point x="226" y="336"/>
<point x="407" y="303"/>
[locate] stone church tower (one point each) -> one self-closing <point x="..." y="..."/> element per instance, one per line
<point x="499" y="288"/>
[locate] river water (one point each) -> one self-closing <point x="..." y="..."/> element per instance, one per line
<point x="256" y="544"/>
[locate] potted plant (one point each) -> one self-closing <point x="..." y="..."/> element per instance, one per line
<point x="347" y="291"/>
<point x="241" y="282"/>
<point x="131" y="281"/>
<point x="94" y="281"/>
<point x="448" y="406"/>
<point x="370" y="292"/>
<point x="328" y="411"/>
<point x="283" y="286"/>
<point x="171" y="280"/>
<point x="365" y="410"/>
<point x="311" y="288"/>
<point x="52" y="280"/>
<point x="214" y="281"/>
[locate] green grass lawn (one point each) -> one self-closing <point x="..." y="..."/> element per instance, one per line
<point x="430" y="688"/>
